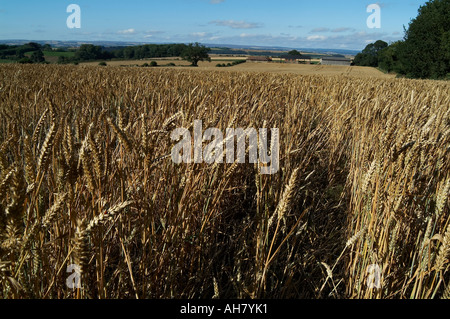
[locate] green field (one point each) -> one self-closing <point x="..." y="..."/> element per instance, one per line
<point x="54" y="54"/>
<point x="58" y="54"/>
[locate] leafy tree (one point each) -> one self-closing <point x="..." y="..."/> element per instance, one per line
<point x="25" y="60"/>
<point x="129" y="53"/>
<point x="388" y="58"/>
<point x="37" y="57"/>
<point x="195" y="53"/>
<point x="47" y="47"/>
<point x="63" y="60"/>
<point x="88" y="52"/>
<point x="369" y="56"/>
<point x="425" y="50"/>
<point x="20" y="54"/>
<point x="294" y="52"/>
<point x="426" y="47"/>
<point x="148" y="51"/>
<point x="33" y="45"/>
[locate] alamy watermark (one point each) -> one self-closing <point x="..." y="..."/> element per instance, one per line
<point x="74" y="20"/>
<point x="74" y="280"/>
<point x="374" y="278"/>
<point x="374" y="20"/>
<point x="190" y="150"/>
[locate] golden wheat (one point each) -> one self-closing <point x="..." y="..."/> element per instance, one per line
<point x="86" y="178"/>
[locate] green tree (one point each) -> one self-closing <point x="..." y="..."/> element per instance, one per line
<point x="294" y="52"/>
<point x="425" y="52"/>
<point x="195" y="53"/>
<point x="388" y="58"/>
<point x="25" y="60"/>
<point x="88" y="52"/>
<point x="37" y="57"/>
<point x="63" y="60"/>
<point x="129" y="53"/>
<point x="369" y="56"/>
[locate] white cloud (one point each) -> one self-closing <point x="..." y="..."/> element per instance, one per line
<point x="127" y="31"/>
<point x="152" y="33"/>
<point x="236" y="24"/>
<point x="316" y="38"/>
<point x="216" y="1"/>
<point x="199" y="34"/>
<point x="356" y="39"/>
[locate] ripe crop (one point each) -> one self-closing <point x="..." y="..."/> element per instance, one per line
<point x="86" y="178"/>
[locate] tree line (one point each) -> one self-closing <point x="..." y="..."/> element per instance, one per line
<point x="424" y="51"/>
<point x="193" y="52"/>
<point x="18" y="52"/>
<point x="34" y="53"/>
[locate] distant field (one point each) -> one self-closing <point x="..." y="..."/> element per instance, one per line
<point x="274" y="67"/>
<point x="58" y="54"/>
<point x="303" y="69"/>
<point x="52" y="56"/>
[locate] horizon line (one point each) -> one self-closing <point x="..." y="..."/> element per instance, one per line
<point x="221" y="45"/>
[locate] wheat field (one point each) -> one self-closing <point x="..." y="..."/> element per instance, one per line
<point x="272" y="67"/>
<point x="86" y="179"/>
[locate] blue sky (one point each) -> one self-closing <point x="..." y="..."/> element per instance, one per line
<point x="288" y="23"/>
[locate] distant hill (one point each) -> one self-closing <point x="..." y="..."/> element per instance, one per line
<point x="271" y="49"/>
